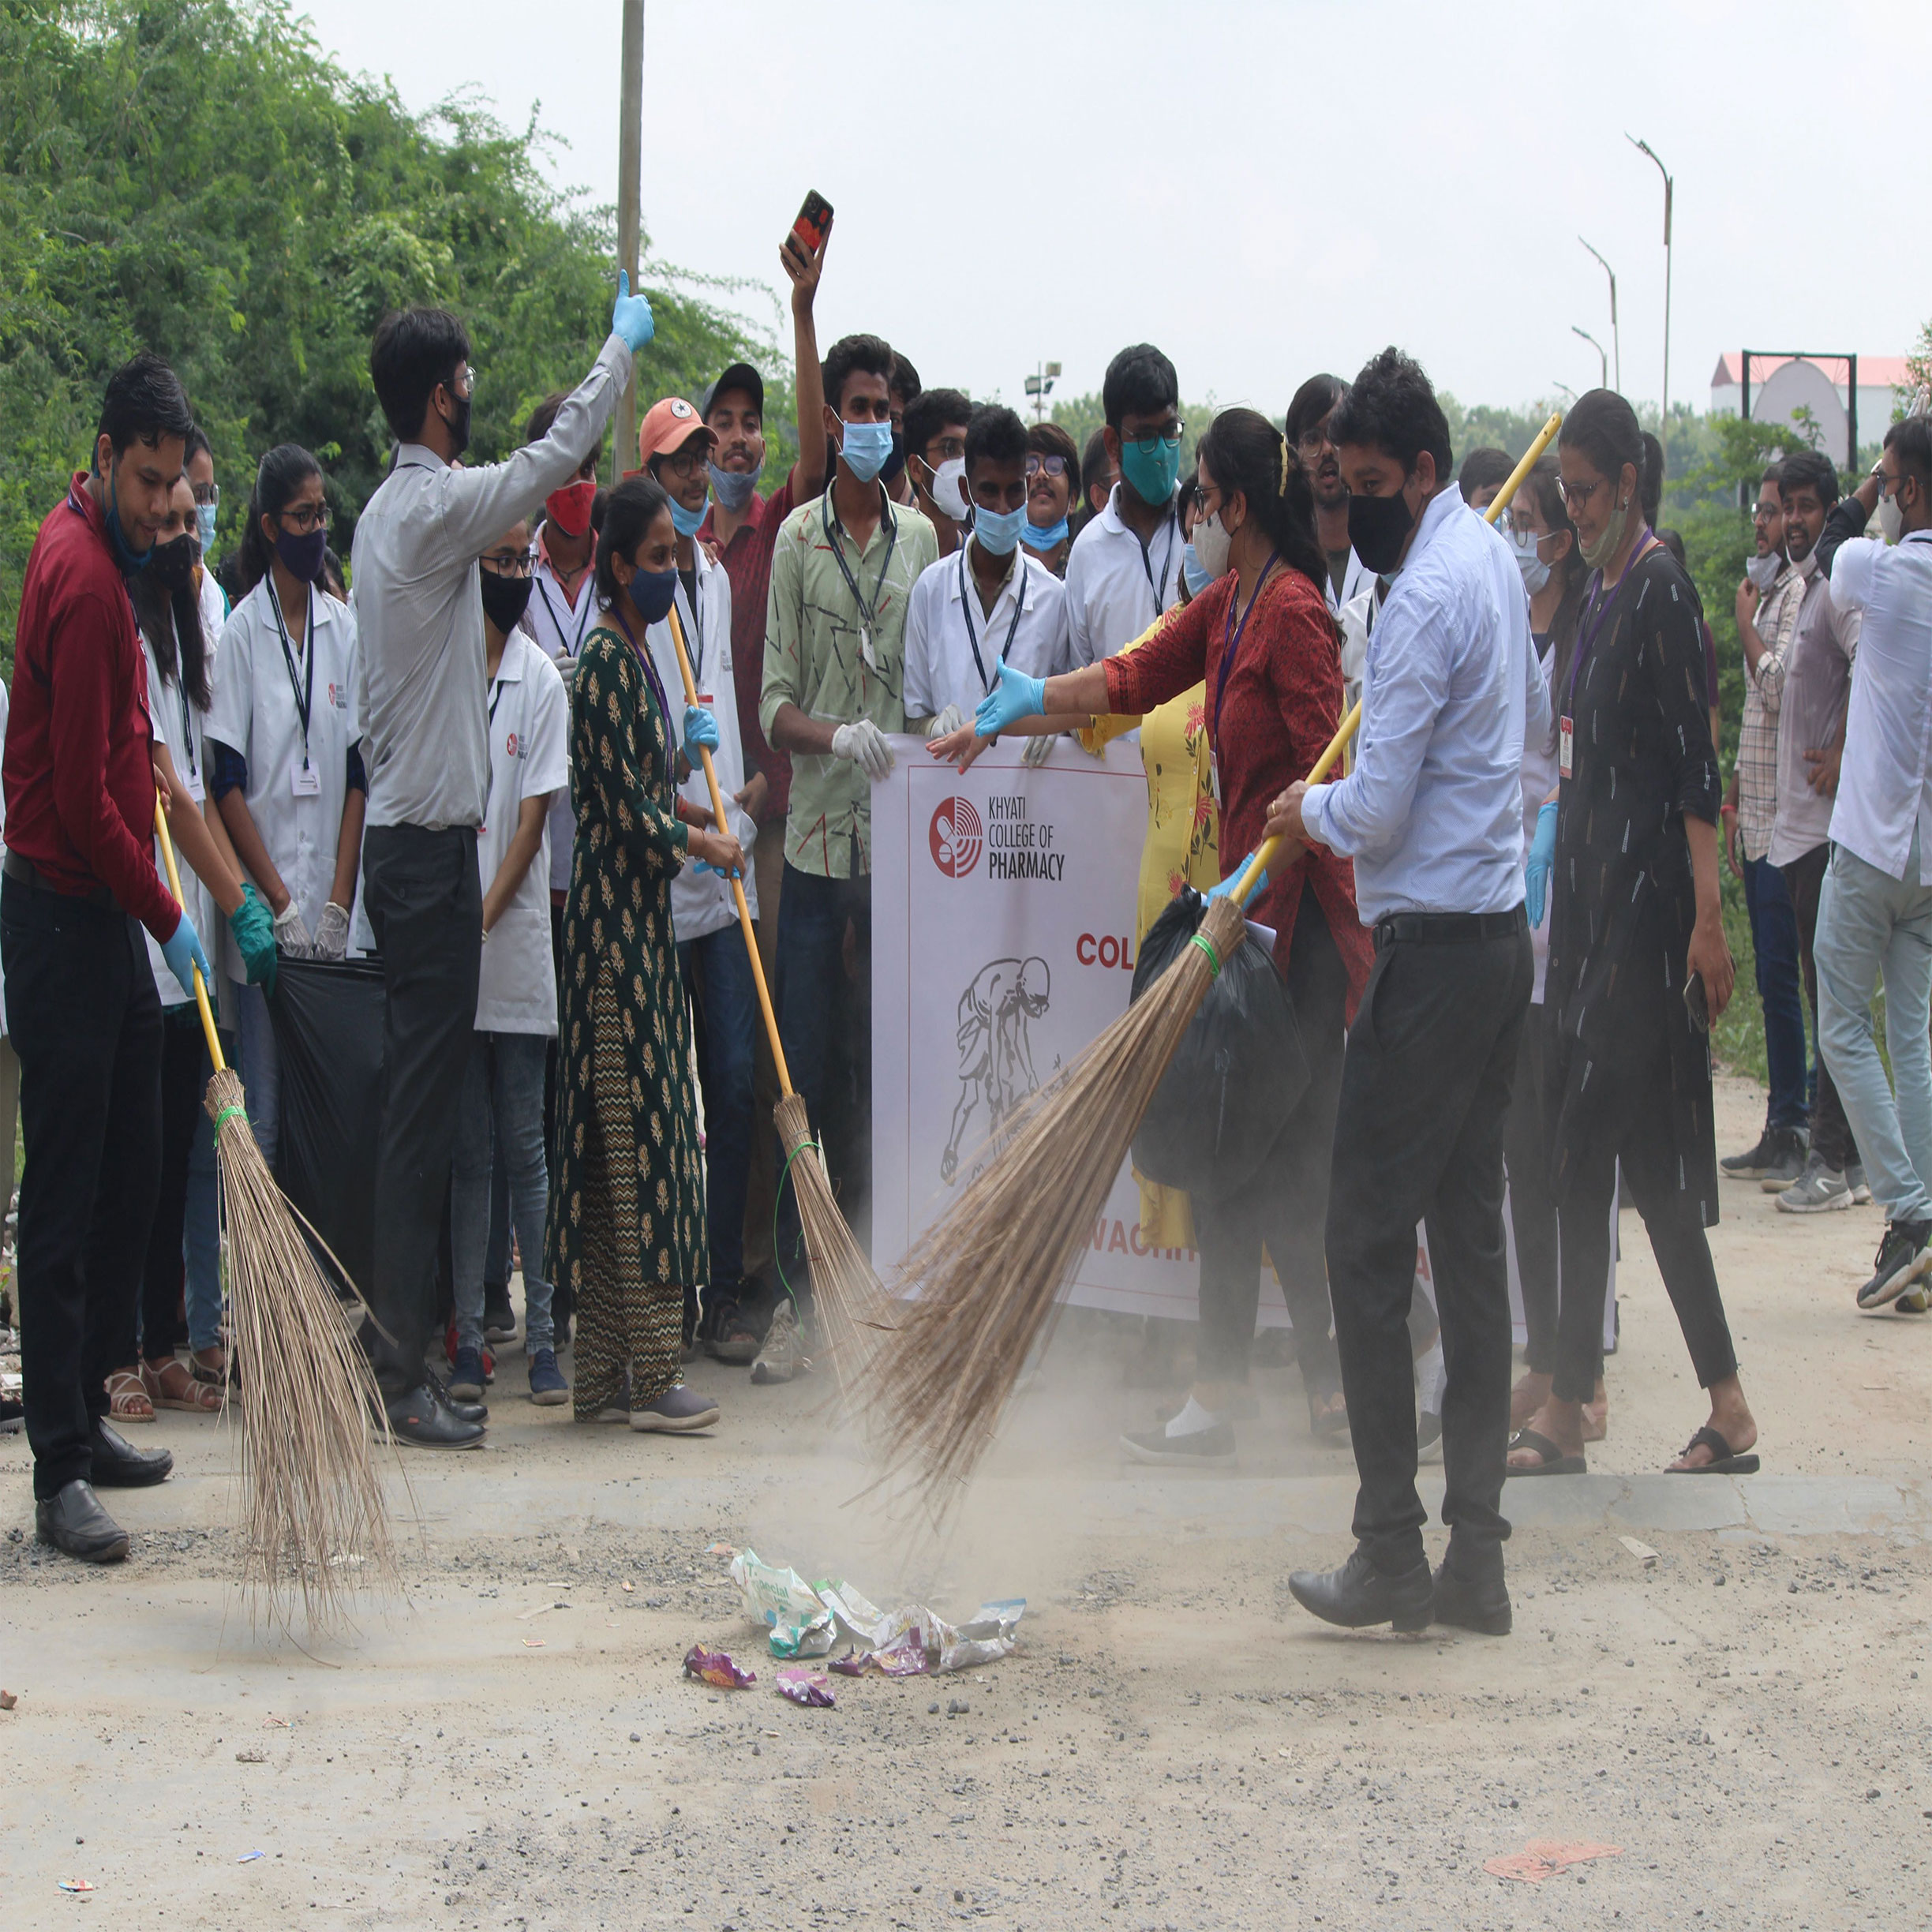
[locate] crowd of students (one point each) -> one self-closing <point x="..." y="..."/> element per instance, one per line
<point x="481" y="763"/>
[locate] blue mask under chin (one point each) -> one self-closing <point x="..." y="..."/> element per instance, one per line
<point x="1035" y="537"/>
<point x="685" y="521"/>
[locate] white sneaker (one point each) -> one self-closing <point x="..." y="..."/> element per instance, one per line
<point x="1818" y="1190"/>
<point x="781" y="1357"/>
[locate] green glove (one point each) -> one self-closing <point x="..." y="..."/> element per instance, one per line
<point x="253" y="926"/>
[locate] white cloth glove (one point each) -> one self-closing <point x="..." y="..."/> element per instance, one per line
<point x="331" y="933"/>
<point x="864" y="744"/>
<point x="567" y="670"/>
<point x="949" y="720"/>
<point x="1037" y="750"/>
<point x="291" y="935"/>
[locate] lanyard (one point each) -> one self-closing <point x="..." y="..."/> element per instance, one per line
<point x="868" y="613"/>
<point x="1231" y="644"/>
<point x="571" y="644"/>
<point x="188" y="735"/>
<point x="1147" y="563"/>
<point x="694" y="604"/>
<point x="650" y="670"/>
<point x="304" y="699"/>
<point x="968" y="593"/>
<point x="1601" y="613"/>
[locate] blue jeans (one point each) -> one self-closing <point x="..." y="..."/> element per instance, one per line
<point x="258" y="1063"/>
<point x="824" y="1021"/>
<point x="1868" y="923"/>
<point x="1774" y="941"/>
<point x="718" y="983"/>
<point x="503" y="1089"/>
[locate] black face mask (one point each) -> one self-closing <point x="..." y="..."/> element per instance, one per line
<point x="897" y="460"/>
<point x="459" y="426"/>
<point x="171" y="564"/>
<point x="1377" y="528"/>
<point x="505" y="599"/>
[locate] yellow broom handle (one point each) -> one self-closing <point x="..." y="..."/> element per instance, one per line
<point x="201" y="990"/>
<point x="737" y="886"/>
<point x="1265" y="854"/>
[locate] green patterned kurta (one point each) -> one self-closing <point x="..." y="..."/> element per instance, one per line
<point x="628" y="1226"/>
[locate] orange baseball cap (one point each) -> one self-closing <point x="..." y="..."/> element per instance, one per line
<point x="669" y="425"/>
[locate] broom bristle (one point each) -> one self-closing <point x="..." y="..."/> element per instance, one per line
<point x="318" y="1526"/>
<point x="988" y="1273"/>
<point x="848" y="1295"/>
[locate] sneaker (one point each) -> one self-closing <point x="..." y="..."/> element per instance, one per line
<point x="1199" y="1448"/>
<point x="1913" y="1301"/>
<point x="499" y="1316"/>
<point x="1817" y="1190"/>
<point x="1756" y="1162"/>
<point x="728" y="1336"/>
<point x="678" y="1411"/>
<point x="1861" y="1189"/>
<point x="1903" y="1259"/>
<point x="783" y="1354"/>
<point x="1791" y="1150"/>
<point x="465" y="1382"/>
<point x="547" y="1386"/>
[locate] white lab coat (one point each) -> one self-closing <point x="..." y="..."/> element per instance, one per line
<point x="174" y="721"/>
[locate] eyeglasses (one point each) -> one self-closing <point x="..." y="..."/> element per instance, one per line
<point x="949" y="448"/>
<point x="1168" y="436"/>
<point x="1052" y="466"/>
<point x="1764" y="512"/>
<point x="509" y="563"/>
<point x="462" y="384"/>
<point x="687" y="462"/>
<point x="208" y="495"/>
<point x="303" y="518"/>
<point x="1311" y="443"/>
<point x="1575" y="493"/>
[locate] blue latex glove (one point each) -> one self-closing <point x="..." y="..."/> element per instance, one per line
<point x="253" y="926"/>
<point x="631" y="317"/>
<point x="1541" y="860"/>
<point x="1234" y="872"/>
<point x="1015" y="697"/>
<point x="705" y="865"/>
<point x="700" y="729"/>
<point x="183" y="951"/>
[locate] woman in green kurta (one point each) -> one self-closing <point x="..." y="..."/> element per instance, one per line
<point x="628" y="1229"/>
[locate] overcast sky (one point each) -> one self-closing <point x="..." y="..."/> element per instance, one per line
<point x="1264" y="188"/>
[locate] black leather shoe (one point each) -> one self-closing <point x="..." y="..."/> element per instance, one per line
<point x="118" y="1464"/>
<point x="421" y="1417"/>
<point x="72" y="1520"/>
<point x="1475" y="1599"/>
<point x="1358" y="1595"/>
<point x="463" y="1411"/>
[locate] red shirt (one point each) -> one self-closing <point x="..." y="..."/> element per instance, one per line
<point x="80" y="755"/>
<point x="747" y="561"/>
<point x="1283" y="704"/>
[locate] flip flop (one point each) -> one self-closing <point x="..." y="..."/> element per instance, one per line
<point x="1725" y="1461"/>
<point x="1554" y="1463"/>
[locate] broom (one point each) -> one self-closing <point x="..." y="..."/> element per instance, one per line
<point x="989" y="1271"/>
<point x="315" y="1502"/>
<point x="849" y="1295"/>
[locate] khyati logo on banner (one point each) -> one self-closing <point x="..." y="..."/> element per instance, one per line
<point x="957" y="838"/>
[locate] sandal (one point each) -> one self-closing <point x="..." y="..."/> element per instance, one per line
<point x="209" y="1378"/>
<point x="1597" y="1414"/>
<point x="1554" y="1462"/>
<point x="1724" y="1460"/>
<point x="127" y="1399"/>
<point x="1325" y="1422"/>
<point x="173" y="1385"/>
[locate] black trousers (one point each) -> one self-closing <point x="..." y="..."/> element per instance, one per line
<point x="425" y="905"/>
<point x="85" y="1020"/>
<point x="1426" y="1084"/>
<point x="1285" y="1204"/>
<point x="163" y="1273"/>
<point x="1671" y="1218"/>
<point x="1533" y="1213"/>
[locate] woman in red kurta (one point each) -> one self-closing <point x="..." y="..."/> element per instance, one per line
<point x="1261" y="636"/>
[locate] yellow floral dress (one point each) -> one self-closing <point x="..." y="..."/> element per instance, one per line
<point x="1182" y="847"/>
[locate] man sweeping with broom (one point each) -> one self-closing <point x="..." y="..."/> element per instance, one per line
<point x="1432" y="817"/>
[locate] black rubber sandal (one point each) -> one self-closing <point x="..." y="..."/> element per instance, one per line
<point x="1554" y="1463"/>
<point x="1725" y="1461"/>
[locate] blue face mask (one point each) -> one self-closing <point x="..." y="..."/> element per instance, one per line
<point x="732" y="487"/>
<point x="130" y="559"/>
<point x="204" y="522"/>
<point x="1151" y="478"/>
<point x="1193" y="571"/>
<point x="1035" y="538"/>
<point x="686" y="521"/>
<point x="997" y="531"/>
<point x="652" y="593"/>
<point x="865" y="448"/>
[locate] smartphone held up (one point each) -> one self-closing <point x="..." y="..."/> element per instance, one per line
<point x="814" y="217"/>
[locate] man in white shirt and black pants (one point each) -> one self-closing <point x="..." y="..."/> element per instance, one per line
<point x="423" y="710"/>
<point x="1875" y="904"/>
<point x="1432" y="816"/>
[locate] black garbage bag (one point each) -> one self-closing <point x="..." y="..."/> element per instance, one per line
<point x="328" y="1028"/>
<point x="1237" y="1075"/>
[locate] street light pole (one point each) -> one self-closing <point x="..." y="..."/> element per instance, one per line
<point x="1616" y="339"/>
<point x="629" y="174"/>
<point x="1040" y="386"/>
<point x="1669" y="194"/>
<point x="1603" y="361"/>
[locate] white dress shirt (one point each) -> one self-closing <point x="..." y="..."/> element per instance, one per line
<point x="1432" y="813"/>
<point x="175" y="723"/>
<point x="1114" y="587"/>
<point x="1885" y="789"/>
<point x="561" y="629"/>
<point x="419" y="608"/>
<point x="529" y="736"/>
<point x="702" y="902"/>
<point x="1355" y="579"/>
<point x="954" y="646"/>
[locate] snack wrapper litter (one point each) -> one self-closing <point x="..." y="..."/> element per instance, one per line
<point x="771" y="1595"/>
<point x="715" y="1667"/>
<point x="810" y="1636"/>
<point x="806" y="1686"/>
<point x="989" y="1634"/>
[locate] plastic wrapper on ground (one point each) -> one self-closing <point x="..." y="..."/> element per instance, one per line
<point x="771" y="1595"/>
<point x="989" y="1634"/>
<point x="806" y="1636"/>
<point x="807" y="1686"/>
<point x="715" y="1667"/>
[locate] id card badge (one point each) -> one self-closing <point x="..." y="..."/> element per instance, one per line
<point x="196" y="788"/>
<point x="304" y="780"/>
<point x="865" y="649"/>
<point x="1566" y="737"/>
<point x="1214" y="781"/>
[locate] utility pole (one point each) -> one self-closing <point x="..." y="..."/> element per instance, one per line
<point x="1040" y="386"/>
<point x="1616" y="340"/>
<point x="629" y="172"/>
<point x="1602" y="360"/>
<point x="1670" y="187"/>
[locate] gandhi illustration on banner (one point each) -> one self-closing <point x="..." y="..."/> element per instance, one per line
<point x="995" y="1055"/>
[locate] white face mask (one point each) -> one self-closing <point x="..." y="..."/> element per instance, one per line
<point x="1210" y="545"/>
<point x="1535" y="571"/>
<point x="1763" y="571"/>
<point x="1891" y="518"/>
<point x="948" y="489"/>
